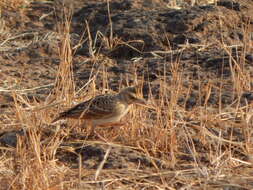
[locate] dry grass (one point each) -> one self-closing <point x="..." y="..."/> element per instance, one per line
<point x="204" y="148"/>
<point x="14" y="4"/>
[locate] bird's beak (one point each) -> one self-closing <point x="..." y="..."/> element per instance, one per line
<point x="140" y="101"/>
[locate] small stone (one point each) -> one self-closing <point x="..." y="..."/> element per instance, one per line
<point x="10" y="138"/>
<point x="249" y="57"/>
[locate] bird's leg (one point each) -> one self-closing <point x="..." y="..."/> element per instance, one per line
<point x="90" y="128"/>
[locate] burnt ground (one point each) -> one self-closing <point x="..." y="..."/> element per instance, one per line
<point x="210" y="45"/>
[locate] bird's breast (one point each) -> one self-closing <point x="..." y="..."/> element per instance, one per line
<point x="120" y="111"/>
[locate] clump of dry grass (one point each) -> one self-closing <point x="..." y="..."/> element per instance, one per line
<point x="65" y="87"/>
<point x="14" y="4"/>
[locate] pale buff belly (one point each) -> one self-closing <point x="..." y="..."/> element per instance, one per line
<point x="121" y="112"/>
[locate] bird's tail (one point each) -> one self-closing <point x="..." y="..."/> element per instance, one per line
<point x="61" y="116"/>
<point x="56" y="119"/>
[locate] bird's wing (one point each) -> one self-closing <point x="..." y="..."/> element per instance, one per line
<point x="96" y="108"/>
<point x="101" y="107"/>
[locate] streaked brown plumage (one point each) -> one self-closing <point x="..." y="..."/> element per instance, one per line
<point x="103" y="109"/>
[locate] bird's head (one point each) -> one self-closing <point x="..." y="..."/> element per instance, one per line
<point x="129" y="94"/>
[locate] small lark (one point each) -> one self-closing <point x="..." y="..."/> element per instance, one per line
<point x="104" y="109"/>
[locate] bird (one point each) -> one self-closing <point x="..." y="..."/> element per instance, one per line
<point x="104" y="109"/>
